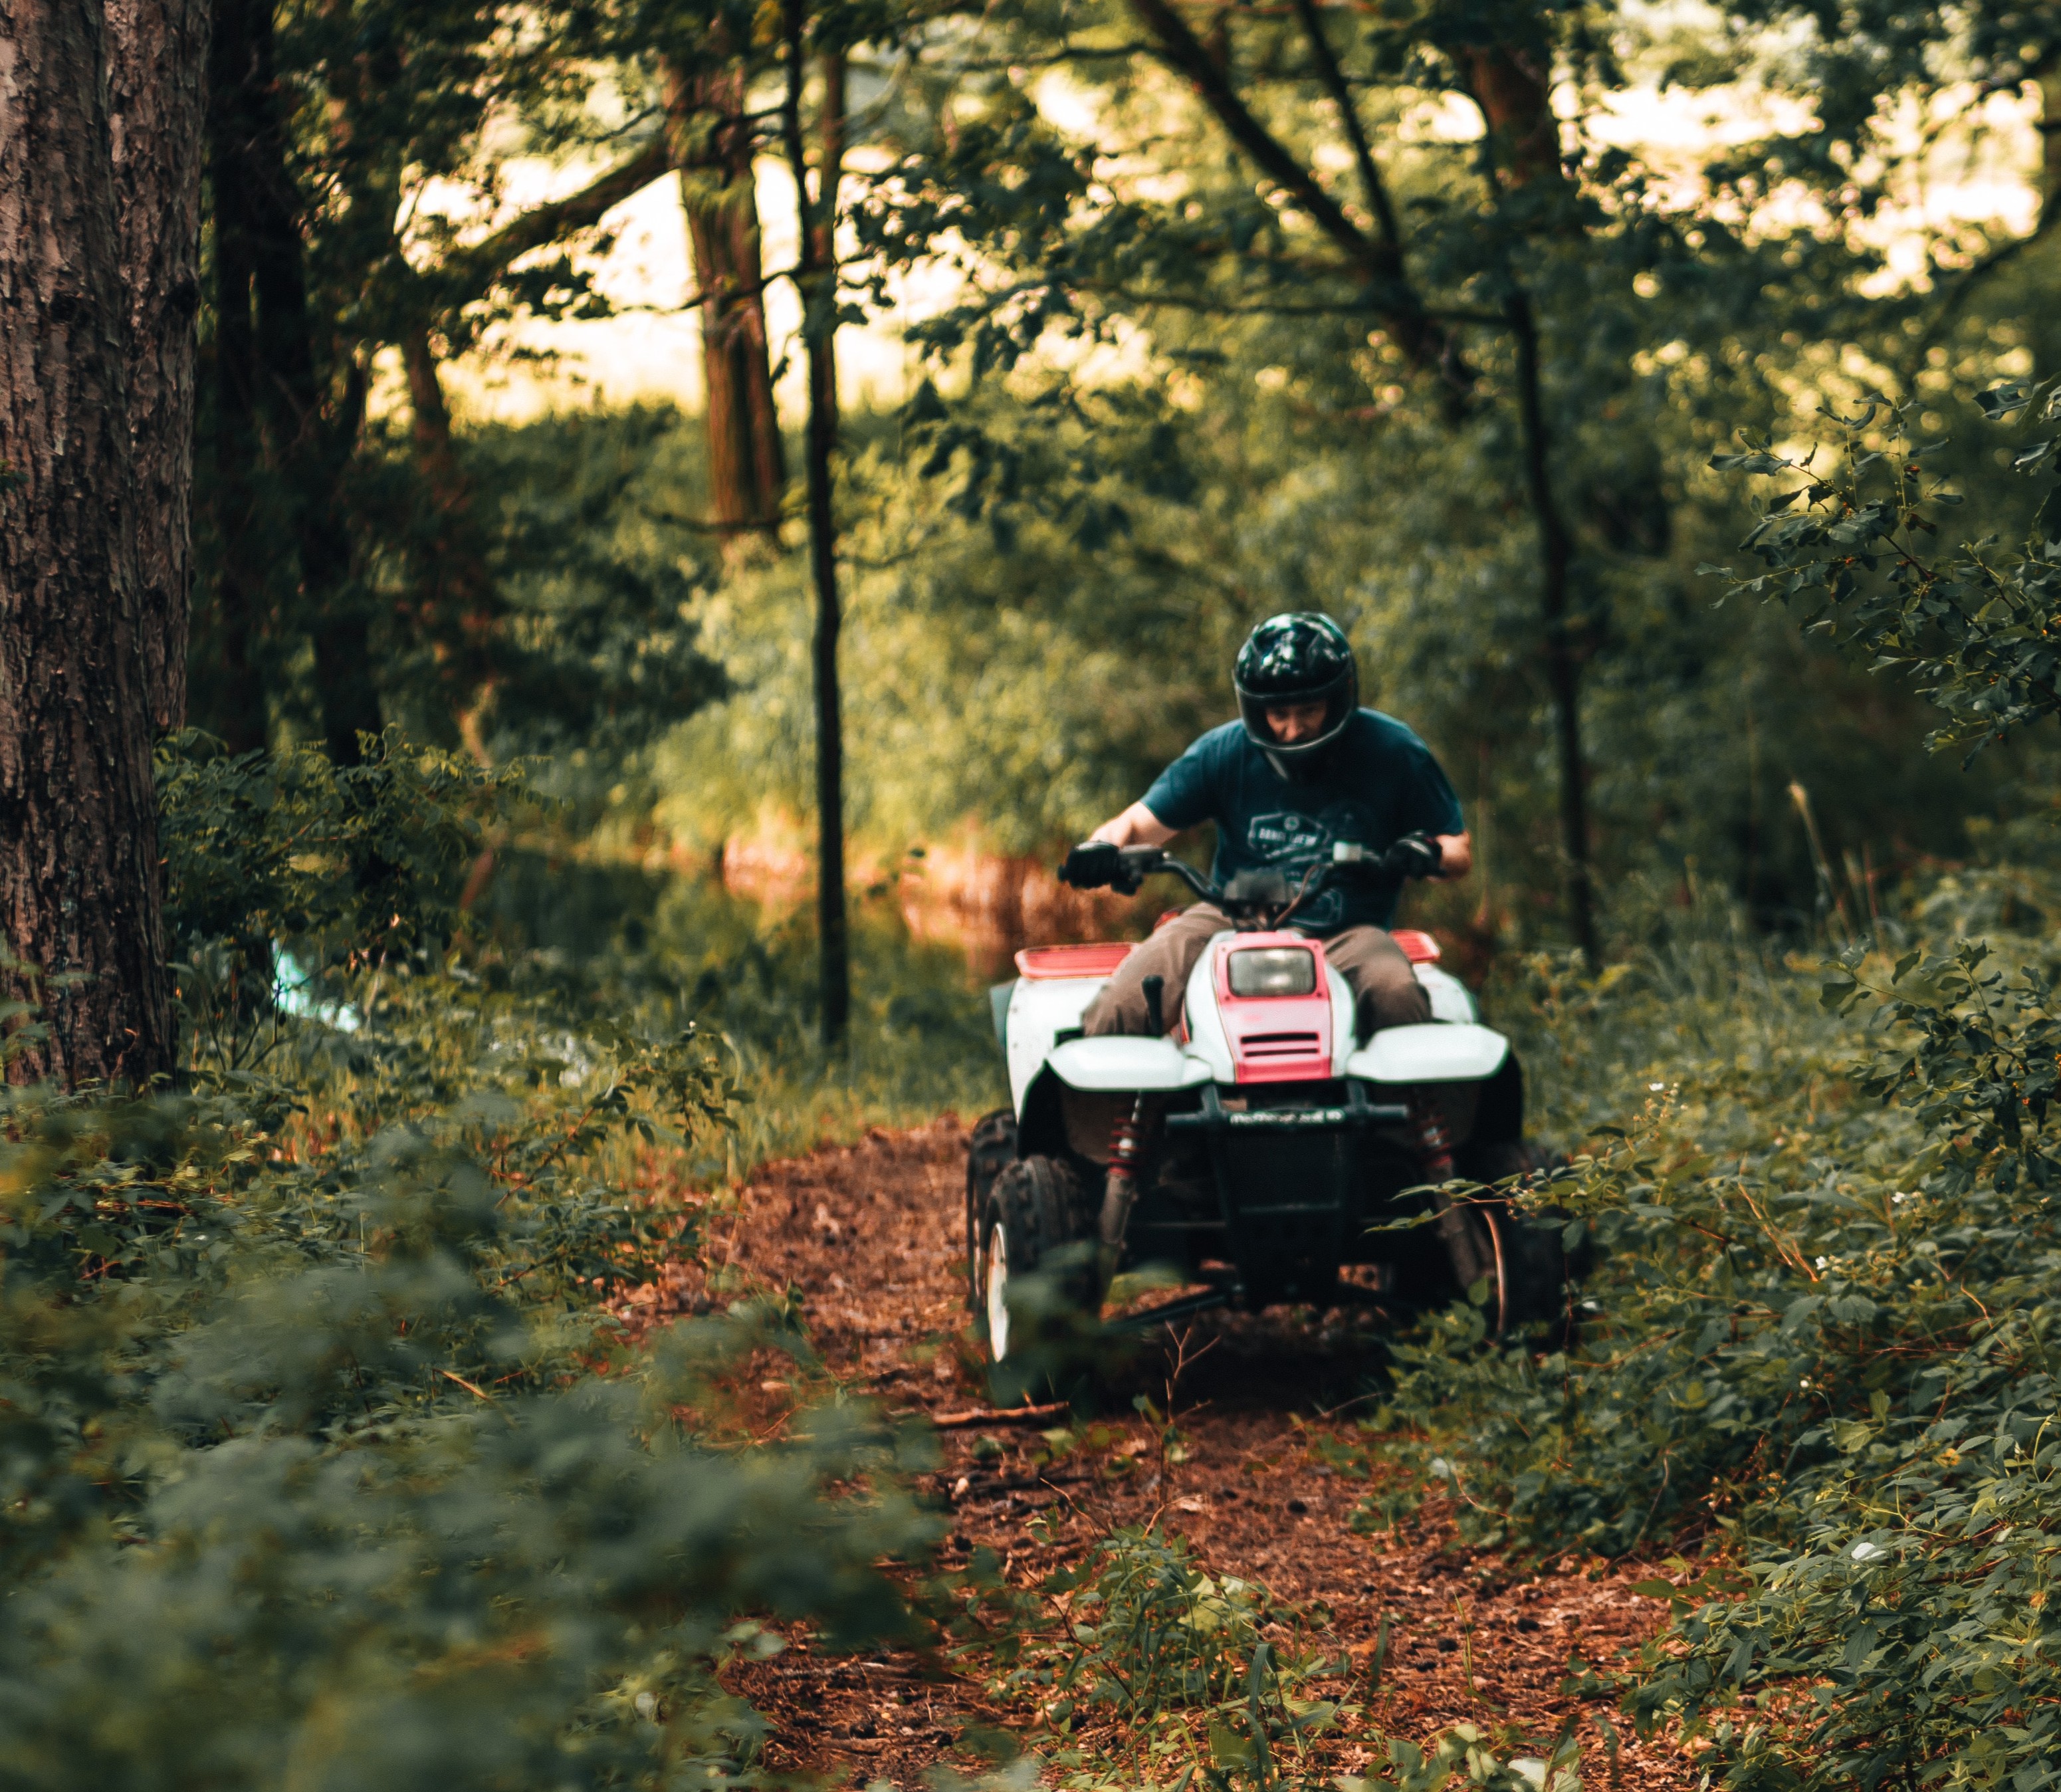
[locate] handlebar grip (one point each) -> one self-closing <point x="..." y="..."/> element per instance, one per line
<point x="1093" y="865"/>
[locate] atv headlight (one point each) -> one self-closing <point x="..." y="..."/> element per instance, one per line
<point x="1274" y="970"/>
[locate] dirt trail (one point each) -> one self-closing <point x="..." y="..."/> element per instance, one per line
<point x="870" y="1237"/>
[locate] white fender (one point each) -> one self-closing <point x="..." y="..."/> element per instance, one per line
<point x="1451" y="1000"/>
<point x="1437" y="1051"/>
<point x="1345" y="1017"/>
<point x="1040" y="1008"/>
<point x="1123" y="1062"/>
<point x="1206" y="1037"/>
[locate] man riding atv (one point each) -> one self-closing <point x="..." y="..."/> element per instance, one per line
<point x="1303" y="769"/>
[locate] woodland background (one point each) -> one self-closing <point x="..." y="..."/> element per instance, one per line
<point x="411" y="817"/>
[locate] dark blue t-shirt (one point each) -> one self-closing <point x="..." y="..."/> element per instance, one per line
<point x="1378" y="782"/>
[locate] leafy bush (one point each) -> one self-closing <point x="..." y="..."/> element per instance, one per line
<point x="320" y="1464"/>
<point x="1821" y="1341"/>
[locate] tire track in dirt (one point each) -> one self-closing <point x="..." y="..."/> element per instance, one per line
<point x="869" y="1237"/>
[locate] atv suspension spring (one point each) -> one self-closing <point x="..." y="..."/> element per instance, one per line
<point x="1434" y="1139"/>
<point x="1121" y="1188"/>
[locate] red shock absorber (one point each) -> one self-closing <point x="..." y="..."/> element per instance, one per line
<point x="1434" y="1138"/>
<point x="1120" y="1189"/>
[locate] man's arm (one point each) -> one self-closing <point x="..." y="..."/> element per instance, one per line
<point x="1456" y="855"/>
<point x="1138" y="826"/>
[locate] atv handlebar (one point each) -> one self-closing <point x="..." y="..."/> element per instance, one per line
<point x="1266" y="897"/>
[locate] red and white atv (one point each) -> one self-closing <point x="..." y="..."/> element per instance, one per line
<point x="1259" y="1147"/>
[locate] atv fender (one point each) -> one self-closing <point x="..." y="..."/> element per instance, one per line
<point x="1435" y="1051"/>
<point x="1127" y="1061"/>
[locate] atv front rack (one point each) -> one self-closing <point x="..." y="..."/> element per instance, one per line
<point x="1213" y="1116"/>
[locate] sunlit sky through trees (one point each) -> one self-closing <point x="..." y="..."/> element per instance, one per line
<point x="1980" y="169"/>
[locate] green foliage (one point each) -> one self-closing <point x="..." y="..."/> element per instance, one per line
<point x="320" y="1460"/>
<point x="1821" y="1335"/>
<point x="1150" y="1658"/>
<point x="1973" y="628"/>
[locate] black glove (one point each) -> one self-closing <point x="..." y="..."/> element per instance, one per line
<point x="1413" y="856"/>
<point x="1092" y="866"/>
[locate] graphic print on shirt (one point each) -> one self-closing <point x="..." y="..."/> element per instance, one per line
<point x="1294" y="842"/>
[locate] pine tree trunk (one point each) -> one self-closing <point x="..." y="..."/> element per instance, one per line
<point x="713" y="141"/>
<point x="157" y="64"/>
<point x="80" y="885"/>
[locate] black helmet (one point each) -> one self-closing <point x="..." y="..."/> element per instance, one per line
<point x="1300" y="657"/>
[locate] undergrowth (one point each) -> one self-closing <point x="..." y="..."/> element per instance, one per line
<point x="1816" y="1360"/>
<point x="321" y="1461"/>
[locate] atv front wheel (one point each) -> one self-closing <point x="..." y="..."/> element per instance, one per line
<point x="1036" y="1223"/>
<point x="990" y="1151"/>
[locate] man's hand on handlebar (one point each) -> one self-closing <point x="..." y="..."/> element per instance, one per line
<point x="1093" y="865"/>
<point x="1415" y="855"/>
<point x="1101" y="864"/>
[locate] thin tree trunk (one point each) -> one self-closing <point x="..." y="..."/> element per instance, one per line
<point x="457" y="601"/>
<point x="157" y="67"/>
<point x="1563" y="664"/>
<point x="712" y="143"/>
<point x="80" y="885"/>
<point x="816" y="279"/>
<point x="235" y="699"/>
<point x="823" y="249"/>
<point x="2050" y="144"/>
<point x="1511" y="88"/>
<point x="311" y="450"/>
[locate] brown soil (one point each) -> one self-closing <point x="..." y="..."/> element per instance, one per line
<point x="869" y="1237"/>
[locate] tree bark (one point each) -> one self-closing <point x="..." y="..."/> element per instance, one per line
<point x="157" y="52"/>
<point x="80" y="885"/>
<point x="712" y="140"/>
<point x="816" y="279"/>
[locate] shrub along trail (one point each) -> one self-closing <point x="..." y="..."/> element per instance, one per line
<point x="869" y="1237"/>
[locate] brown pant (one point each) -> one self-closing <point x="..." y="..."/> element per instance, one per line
<point x="1372" y="964"/>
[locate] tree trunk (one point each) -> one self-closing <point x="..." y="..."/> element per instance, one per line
<point x="1512" y="88"/>
<point x="816" y="279"/>
<point x="1563" y="659"/>
<point x="80" y="884"/>
<point x="310" y="449"/>
<point x="234" y="698"/>
<point x="823" y="247"/>
<point x="2050" y="145"/>
<point x="712" y="143"/>
<point x="156" y="52"/>
<point x="456" y="600"/>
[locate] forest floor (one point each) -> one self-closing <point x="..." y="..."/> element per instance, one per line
<point x="869" y="1237"/>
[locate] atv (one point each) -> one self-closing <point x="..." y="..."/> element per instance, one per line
<point x="1261" y="1146"/>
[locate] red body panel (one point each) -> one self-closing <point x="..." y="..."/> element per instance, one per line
<point x="1274" y="1039"/>
<point x="1418" y="948"/>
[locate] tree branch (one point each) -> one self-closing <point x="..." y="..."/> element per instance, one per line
<point x="1334" y="79"/>
<point x="472" y="270"/>
<point x="1418" y="335"/>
